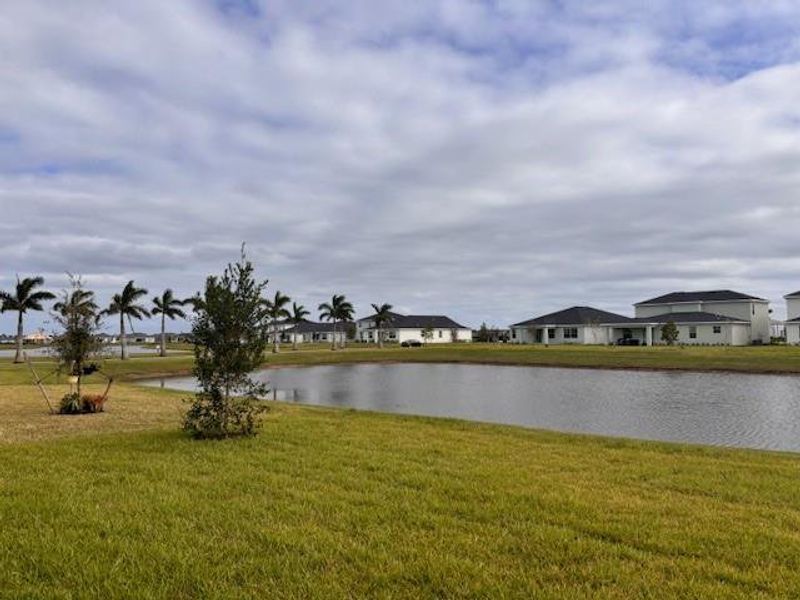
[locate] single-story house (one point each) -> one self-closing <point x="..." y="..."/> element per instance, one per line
<point x="410" y="328"/>
<point x="309" y="331"/>
<point x="38" y="337"/>
<point x="575" y="325"/>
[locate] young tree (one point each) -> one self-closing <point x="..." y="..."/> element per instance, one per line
<point x="125" y="305"/>
<point x="169" y="307"/>
<point x="78" y="316"/>
<point x="483" y="334"/>
<point x="276" y="309"/>
<point x="381" y="318"/>
<point x="299" y="314"/>
<point x="427" y="334"/>
<point x="24" y="299"/>
<point x="231" y="333"/>
<point x="669" y="333"/>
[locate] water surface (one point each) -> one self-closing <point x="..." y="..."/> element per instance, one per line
<point x="754" y="411"/>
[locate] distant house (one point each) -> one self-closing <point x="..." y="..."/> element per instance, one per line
<point x="38" y="337"/>
<point x="575" y="325"/>
<point x="140" y="338"/>
<point x="407" y="328"/>
<point x="711" y="317"/>
<point x="309" y="331"/>
<point x="793" y="318"/>
<point x="719" y="317"/>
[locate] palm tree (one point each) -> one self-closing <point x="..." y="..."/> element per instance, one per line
<point x="124" y="305"/>
<point x="382" y="316"/>
<point x="168" y="306"/>
<point x="276" y="310"/>
<point x="345" y="314"/>
<point x="77" y="304"/>
<point x="22" y="300"/>
<point x="329" y="311"/>
<point x="299" y="314"/>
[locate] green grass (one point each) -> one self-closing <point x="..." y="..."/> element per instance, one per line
<point x="335" y="503"/>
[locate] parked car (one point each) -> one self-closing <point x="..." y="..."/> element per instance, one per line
<point x="411" y="344"/>
<point x="628" y="342"/>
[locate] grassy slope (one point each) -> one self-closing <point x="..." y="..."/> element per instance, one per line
<point x="354" y="504"/>
<point x="346" y="503"/>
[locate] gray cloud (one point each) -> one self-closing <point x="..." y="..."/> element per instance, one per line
<point x="491" y="161"/>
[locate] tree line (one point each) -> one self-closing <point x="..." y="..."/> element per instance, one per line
<point x="29" y="296"/>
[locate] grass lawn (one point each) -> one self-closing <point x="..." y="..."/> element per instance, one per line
<point x="336" y="503"/>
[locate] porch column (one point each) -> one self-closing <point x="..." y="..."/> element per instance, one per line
<point x="546" y="336"/>
<point x="649" y="335"/>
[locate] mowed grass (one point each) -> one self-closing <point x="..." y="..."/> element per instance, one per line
<point x="335" y="503"/>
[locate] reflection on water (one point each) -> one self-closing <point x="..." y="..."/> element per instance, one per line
<point x="757" y="411"/>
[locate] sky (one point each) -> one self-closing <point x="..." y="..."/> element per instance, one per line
<point x="491" y="160"/>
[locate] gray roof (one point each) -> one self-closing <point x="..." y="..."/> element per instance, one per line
<point x="577" y="315"/>
<point x="707" y="296"/>
<point x="312" y="327"/>
<point x="793" y="295"/>
<point x="689" y="317"/>
<point x="392" y="315"/>
<point x="422" y="321"/>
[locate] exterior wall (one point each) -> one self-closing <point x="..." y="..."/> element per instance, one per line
<point x="587" y="334"/>
<point x="793" y="333"/>
<point x="792" y="308"/>
<point x="660" y="309"/>
<point x="731" y="334"/>
<point x="755" y="312"/>
<point x="440" y="335"/>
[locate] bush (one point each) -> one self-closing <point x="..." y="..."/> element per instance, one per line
<point x="75" y="404"/>
<point x="211" y="416"/>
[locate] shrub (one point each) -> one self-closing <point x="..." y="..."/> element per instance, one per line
<point x="75" y="404"/>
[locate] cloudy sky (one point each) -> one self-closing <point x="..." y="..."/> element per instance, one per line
<point x="492" y="160"/>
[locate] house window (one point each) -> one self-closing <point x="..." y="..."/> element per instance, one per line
<point x="551" y="334"/>
<point x="513" y="334"/>
<point x="692" y="333"/>
<point x="717" y="328"/>
<point x="570" y="333"/>
<point x="440" y="333"/>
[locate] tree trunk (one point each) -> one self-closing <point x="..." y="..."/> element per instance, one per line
<point x="343" y="342"/>
<point x="276" y="345"/>
<point x="294" y="340"/>
<point x="163" y="335"/>
<point x="333" y="342"/>
<point x="123" y="343"/>
<point x="380" y="338"/>
<point x="20" y="335"/>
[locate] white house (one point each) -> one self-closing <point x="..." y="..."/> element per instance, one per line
<point x="793" y="318"/>
<point x="719" y="317"/>
<point x="575" y="325"/>
<point x="710" y="317"/>
<point x="309" y="331"/>
<point x="409" y="328"/>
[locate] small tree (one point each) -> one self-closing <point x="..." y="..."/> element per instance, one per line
<point x="427" y="334"/>
<point x="483" y="334"/>
<point x="231" y="333"/>
<point x="78" y="343"/>
<point x="669" y="333"/>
